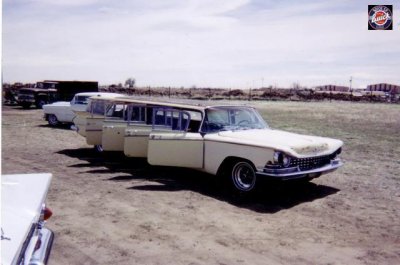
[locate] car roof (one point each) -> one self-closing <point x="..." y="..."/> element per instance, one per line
<point x="140" y="101"/>
<point x="158" y="102"/>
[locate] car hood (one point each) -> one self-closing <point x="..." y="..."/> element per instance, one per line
<point x="297" y="145"/>
<point x="21" y="203"/>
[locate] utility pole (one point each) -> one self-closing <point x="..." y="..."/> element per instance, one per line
<point x="250" y="94"/>
<point x="351" y="80"/>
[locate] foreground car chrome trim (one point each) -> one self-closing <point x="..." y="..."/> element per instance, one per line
<point x="295" y="172"/>
<point x="41" y="255"/>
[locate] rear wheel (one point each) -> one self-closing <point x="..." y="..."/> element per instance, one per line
<point x="52" y="119"/>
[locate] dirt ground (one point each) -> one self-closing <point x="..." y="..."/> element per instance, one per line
<point x="112" y="210"/>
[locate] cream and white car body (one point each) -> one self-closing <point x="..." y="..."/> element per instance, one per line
<point x="214" y="139"/>
<point x="24" y="239"/>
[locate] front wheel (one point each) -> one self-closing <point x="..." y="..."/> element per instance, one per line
<point x="243" y="176"/>
<point x="98" y="148"/>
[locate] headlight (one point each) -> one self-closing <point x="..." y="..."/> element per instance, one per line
<point x="277" y="157"/>
<point x="281" y="159"/>
<point x="286" y="161"/>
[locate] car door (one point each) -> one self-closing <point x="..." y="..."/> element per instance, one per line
<point x="137" y="132"/>
<point x="93" y="122"/>
<point x="113" y="128"/>
<point x="112" y="137"/>
<point x="80" y="124"/>
<point x="169" y="142"/>
<point x="94" y="129"/>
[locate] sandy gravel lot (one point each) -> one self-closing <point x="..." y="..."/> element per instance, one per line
<point x="113" y="210"/>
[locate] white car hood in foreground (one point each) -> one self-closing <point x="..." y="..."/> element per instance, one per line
<point x="22" y="196"/>
<point x="297" y="145"/>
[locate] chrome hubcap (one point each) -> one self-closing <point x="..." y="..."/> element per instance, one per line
<point x="53" y="119"/>
<point x="243" y="176"/>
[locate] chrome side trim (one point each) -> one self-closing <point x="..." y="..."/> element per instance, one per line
<point x="295" y="172"/>
<point x="41" y="255"/>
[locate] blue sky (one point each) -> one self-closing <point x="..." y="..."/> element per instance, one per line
<point x="232" y="43"/>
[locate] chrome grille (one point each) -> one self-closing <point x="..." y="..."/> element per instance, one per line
<point x="310" y="163"/>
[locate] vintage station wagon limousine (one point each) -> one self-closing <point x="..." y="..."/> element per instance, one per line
<point x="230" y="141"/>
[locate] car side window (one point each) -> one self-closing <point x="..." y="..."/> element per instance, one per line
<point x="218" y="116"/>
<point x="136" y="114"/>
<point x="115" y="111"/>
<point x="215" y="120"/>
<point x="170" y="119"/>
<point x="96" y="107"/>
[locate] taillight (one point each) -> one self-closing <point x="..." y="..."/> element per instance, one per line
<point x="47" y="213"/>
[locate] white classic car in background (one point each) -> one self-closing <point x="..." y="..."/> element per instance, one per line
<point x="24" y="239"/>
<point x="63" y="111"/>
<point x="230" y="141"/>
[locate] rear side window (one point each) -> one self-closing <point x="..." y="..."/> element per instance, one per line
<point x="115" y="111"/>
<point x="170" y="119"/>
<point x="83" y="100"/>
<point x="136" y="114"/>
<point x="96" y="107"/>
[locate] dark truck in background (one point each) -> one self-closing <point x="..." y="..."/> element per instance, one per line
<point x="50" y="91"/>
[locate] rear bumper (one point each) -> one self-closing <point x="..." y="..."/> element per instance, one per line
<point x="296" y="173"/>
<point x="41" y="255"/>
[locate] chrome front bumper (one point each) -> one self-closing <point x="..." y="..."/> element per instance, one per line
<point x="295" y="172"/>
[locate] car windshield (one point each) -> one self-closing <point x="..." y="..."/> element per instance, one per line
<point x="232" y="118"/>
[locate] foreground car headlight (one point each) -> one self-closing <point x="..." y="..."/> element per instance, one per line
<point x="286" y="160"/>
<point x="281" y="159"/>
